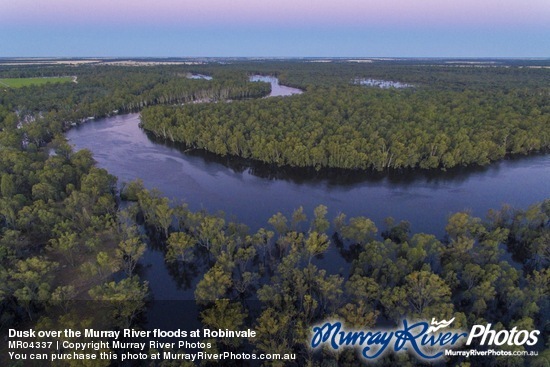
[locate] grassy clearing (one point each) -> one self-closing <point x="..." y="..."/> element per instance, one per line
<point x="24" y="82"/>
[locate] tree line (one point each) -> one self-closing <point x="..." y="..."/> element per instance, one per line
<point x="105" y="91"/>
<point x="64" y="238"/>
<point x="270" y="280"/>
<point x="355" y="127"/>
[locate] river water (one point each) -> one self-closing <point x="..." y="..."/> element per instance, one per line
<point x="251" y="192"/>
<point x="277" y="90"/>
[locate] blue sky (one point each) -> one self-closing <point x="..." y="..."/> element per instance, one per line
<point x="363" y="28"/>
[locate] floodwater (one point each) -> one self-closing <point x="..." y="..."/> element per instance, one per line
<point x="277" y="90"/>
<point x="251" y="192"/>
<point x="385" y="84"/>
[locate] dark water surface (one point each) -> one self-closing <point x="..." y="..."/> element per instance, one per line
<point x="252" y="193"/>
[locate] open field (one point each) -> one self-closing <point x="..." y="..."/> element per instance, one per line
<point x="23" y="82"/>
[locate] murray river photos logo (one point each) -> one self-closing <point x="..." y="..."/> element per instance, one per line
<point x="427" y="340"/>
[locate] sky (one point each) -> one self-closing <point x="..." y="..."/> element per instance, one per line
<point x="274" y="28"/>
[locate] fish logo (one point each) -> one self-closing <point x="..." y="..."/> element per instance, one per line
<point x="439" y="325"/>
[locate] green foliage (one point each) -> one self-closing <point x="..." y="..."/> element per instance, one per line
<point x="31" y="282"/>
<point x="316" y="244"/>
<point x="213" y="286"/>
<point x="63" y="295"/>
<point x="52" y="196"/>
<point x="274" y="332"/>
<point x="51" y="199"/>
<point x="124" y="300"/>
<point x="359" y="230"/>
<point x="320" y="223"/>
<point x="279" y="222"/>
<point x="180" y="247"/>
<point x="210" y="233"/>
<point x="543" y="359"/>
<point x="397" y="233"/>
<point x="427" y="294"/>
<point x="298" y="216"/>
<point x="7" y="186"/>
<point x="163" y="215"/>
<point x="67" y="245"/>
<point x="129" y="252"/>
<point x="358" y="128"/>
<point x="129" y="191"/>
<point x="224" y="314"/>
<point x="25" y="82"/>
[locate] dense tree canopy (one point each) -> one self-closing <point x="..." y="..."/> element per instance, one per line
<point x="451" y="115"/>
<point x="364" y="128"/>
<point x="64" y="237"/>
<point x="466" y="275"/>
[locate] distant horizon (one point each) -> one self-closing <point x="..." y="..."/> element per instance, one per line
<point x="381" y="58"/>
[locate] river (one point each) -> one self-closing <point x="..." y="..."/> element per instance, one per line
<point x="251" y="192"/>
<point x="277" y="90"/>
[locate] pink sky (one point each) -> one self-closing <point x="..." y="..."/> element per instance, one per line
<point x="280" y="12"/>
<point x="469" y="28"/>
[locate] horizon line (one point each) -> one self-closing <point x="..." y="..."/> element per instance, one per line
<point x="274" y="57"/>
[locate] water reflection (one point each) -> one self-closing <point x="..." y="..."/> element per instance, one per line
<point x="342" y="177"/>
<point x="199" y="76"/>
<point x="277" y="90"/>
<point x="253" y="191"/>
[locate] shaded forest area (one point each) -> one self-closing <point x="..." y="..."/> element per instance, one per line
<point x="64" y="237"/>
<point x="453" y="116"/>
<point x="356" y="127"/>
<point x="105" y="90"/>
<point x="393" y="274"/>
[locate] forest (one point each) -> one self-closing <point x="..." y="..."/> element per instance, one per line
<point x="451" y="117"/>
<point x="355" y="127"/>
<point x="71" y="237"/>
